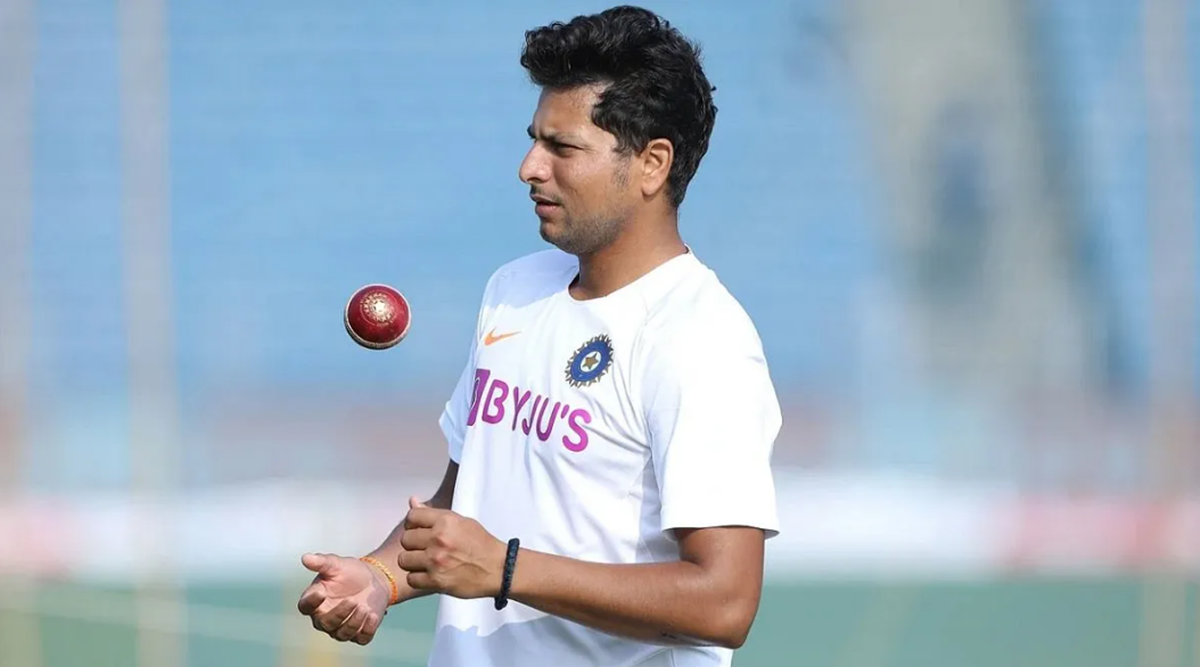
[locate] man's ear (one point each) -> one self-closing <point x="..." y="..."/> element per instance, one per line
<point x="657" y="158"/>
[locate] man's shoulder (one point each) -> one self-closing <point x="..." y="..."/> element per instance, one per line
<point x="536" y="271"/>
<point x="701" y="307"/>
<point x="551" y="261"/>
<point x="699" y="338"/>
<point x="700" y="316"/>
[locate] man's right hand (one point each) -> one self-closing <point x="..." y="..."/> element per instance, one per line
<point x="347" y="599"/>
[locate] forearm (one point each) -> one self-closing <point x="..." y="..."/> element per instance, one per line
<point x="668" y="603"/>
<point x="388" y="552"/>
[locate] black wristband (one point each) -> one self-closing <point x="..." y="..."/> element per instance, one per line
<point x="510" y="564"/>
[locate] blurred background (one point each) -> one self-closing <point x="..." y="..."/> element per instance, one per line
<point x="966" y="230"/>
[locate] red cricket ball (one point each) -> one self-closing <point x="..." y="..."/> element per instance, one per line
<point x="377" y="316"/>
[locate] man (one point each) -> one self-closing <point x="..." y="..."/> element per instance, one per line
<point x="616" y="414"/>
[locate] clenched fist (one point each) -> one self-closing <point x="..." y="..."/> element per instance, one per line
<point x="445" y="552"/>
<point x="347" y="599"/>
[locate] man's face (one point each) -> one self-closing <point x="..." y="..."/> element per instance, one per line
<point x="579" y="182"/>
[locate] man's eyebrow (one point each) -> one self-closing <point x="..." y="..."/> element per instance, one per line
<point x="554" y="137"/>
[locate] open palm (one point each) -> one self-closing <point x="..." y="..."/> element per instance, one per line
<point x="345" y="600"/>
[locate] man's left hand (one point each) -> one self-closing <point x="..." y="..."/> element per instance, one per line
<point x="445" y="552"/>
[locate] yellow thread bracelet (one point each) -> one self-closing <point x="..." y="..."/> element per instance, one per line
<point x="370" y="560"/>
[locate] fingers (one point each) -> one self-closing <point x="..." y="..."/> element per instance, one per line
<point x="413" y="561"/>
<point x="367" y="632"/>
<point x="325" y="565"/>
<point x="422" y="517"/>
<point x="343" y="619"/>
<point x="416" y="539"/>
<point x="415" y="502"/>
<point x="349" y="628"/>
<point x="329" y="622"/>
<point x="358" y="623"/>
<point x="311" y="599"/>
<point x="421" y="581"/>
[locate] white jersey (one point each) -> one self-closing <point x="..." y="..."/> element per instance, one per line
<point x="591" y="429"/>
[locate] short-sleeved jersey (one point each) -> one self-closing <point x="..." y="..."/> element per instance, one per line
<point x="593" y="428"/>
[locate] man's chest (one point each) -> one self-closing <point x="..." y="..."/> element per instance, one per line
<point x="556" y="379"/>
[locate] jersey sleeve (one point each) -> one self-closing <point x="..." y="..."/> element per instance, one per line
<point x="453" y="420"/>
<point x="712" y="416"/>
<point x="454" y="414"/>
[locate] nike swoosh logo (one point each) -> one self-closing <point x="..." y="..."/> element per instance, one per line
<point x="491" y="337"/>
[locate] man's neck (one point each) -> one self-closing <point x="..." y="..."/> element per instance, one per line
<point x="628" y="258"/>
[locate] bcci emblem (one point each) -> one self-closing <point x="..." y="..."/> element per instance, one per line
<point x="590" y="362"/>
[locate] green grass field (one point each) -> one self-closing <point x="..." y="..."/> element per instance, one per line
<point x="1026" y="623"/>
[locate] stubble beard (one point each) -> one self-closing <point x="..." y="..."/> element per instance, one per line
<point x="587" y="236"/>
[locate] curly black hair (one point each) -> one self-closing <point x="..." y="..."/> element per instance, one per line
<point x="654" y="84"/>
